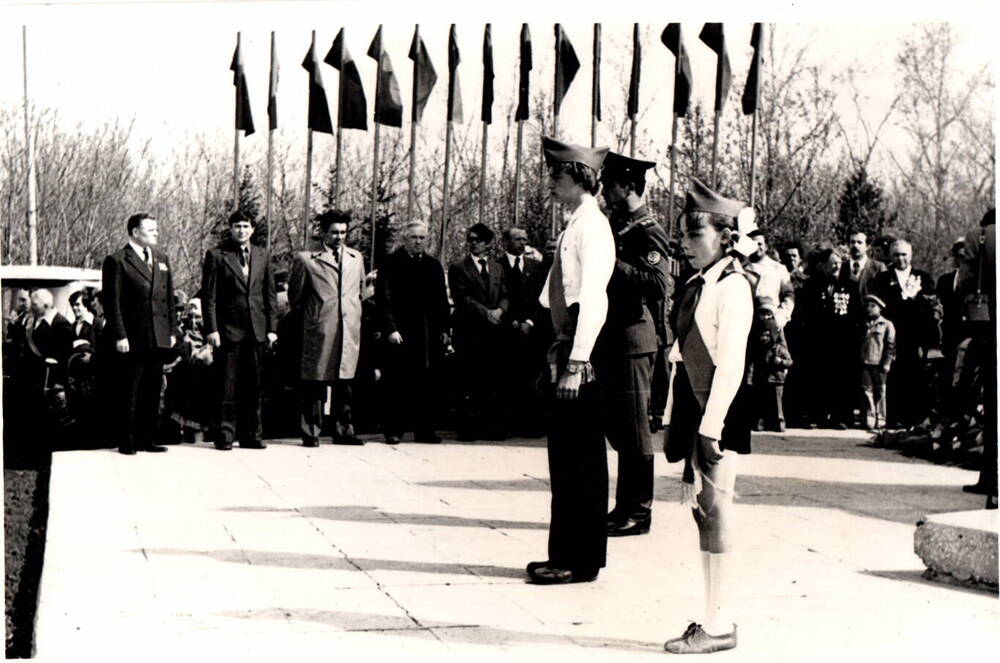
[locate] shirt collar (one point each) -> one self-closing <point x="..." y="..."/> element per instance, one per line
<point x="711" y="275"/>
<point x="139" y="250"/>
<point x="588" y="204"/>
<point x="902" y="275"/>
<point x="49" y="316"/>
<point x="511" y="258"/>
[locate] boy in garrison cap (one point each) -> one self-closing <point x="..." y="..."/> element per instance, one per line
<point x="878" y="349"/>
<point x="575" y="293"/>
<point x="633" y="335"/>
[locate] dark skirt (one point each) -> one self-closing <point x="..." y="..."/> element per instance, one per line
<point x="685" y="419"/>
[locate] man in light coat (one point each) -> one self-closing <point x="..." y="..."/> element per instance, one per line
<point x="327" y="287"/>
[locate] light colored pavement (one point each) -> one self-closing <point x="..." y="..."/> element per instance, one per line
<point x="418" y="551"/>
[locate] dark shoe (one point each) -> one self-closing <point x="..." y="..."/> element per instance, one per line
<point x="392" y="439"/>
<point x="224" y="446"/>
<point x="310" y="442"/>
<point x="840" y="425"/>
<point x="614" y="518"/>
<point x="349" y="440"/>
<point x="154" y="448"/>
<point x="534" y="566"/>
<point x="630" y="526"/>
<point x="467" y="436"/>
<point x="696" y="641"/>
<point x="427" y="438"/>
<point x="975" y="489"/>
<point x="550" y="575"/>
<point x="253" y="444"/>
<point x="126" y="450"/>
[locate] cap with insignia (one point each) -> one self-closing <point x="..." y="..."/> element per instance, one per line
<point x="559" y="152"/>
<point x="742" y="218"/>
<point x="480" y="231"/>
<point x="619" y="167"/>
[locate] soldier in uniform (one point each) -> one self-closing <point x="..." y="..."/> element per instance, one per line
<point x="626" y="349"/>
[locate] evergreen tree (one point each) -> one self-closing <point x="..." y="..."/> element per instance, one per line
<point x="862" y="207"/>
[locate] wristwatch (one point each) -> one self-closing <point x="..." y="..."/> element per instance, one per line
<point x="573" y="368"/>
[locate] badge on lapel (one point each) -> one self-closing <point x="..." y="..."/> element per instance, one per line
<point x="163" y="266"/>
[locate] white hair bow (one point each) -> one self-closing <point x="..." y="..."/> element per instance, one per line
<point x="746" y="223"/>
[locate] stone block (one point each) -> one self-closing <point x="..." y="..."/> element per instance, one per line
<point x="961" y="545"/>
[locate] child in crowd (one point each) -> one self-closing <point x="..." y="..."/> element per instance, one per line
<point x="770" y="360"/>
<point x="878" y="349"/>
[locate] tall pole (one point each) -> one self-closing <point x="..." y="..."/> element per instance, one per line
<point x="29" y="146"/>
<point x="595" y="85"/>
<point x="413" y="131"/>
<point x="753" y="157"/>
<point x="236" y="142"/>
<point x="447" y="200"/>
<point x="374" y="193"/>
<point x="673" y="169"/>
<point x="553" y="225"/>
<point x="633" y="120"/>
<point x="340" y="136"/>
<point x="270" y="157"/>
<point x="715" y="151"/>
<point x="517" y="173"/>
<point x="307" y="208"/>
<point x="482" y="174"/>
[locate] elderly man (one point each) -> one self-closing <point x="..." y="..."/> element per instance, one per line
<point x="901" y="288"/>
<point x="326" y="288"/>
<point x="240" y="316"/>
<point x="412" y="311"/>
<point x="49" y="335"/>
<point x="773" y="280"/>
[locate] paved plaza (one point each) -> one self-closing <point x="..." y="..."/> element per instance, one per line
<point x="418" y="552"/>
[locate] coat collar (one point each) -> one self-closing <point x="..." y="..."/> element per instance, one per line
<point x="138" y="264"/>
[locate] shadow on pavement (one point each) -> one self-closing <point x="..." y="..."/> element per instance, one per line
<point x="295" y="560"/>
<point x="473" y="634"/>
<point x="371" y="514"/>
<point x="920" y="578"/>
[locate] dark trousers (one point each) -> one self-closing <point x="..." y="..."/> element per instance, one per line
<point x="625" y="392"/>
<point x="905" y="391"/>
<point x="520" y="405"/>
<point x="634" y="490"/>
<point x="239" y="366"/>
<point x="409" y="398"/>
<point x="479" y="394"/>
<point x="140" y="380"/>
<point x="769" y="404"/>
<point x="578" y="472"/>
<point x="312" y="399"/>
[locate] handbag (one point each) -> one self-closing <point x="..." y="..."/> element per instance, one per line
<point x="976" y="307"/>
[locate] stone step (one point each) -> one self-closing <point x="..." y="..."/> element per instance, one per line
<point x="959" y="546"/>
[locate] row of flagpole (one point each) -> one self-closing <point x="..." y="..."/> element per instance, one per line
<point x="352" y="107"/>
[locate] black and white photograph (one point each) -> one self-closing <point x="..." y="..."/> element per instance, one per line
<point x="344" y="330"/>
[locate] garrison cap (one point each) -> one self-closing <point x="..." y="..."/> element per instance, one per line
<point x="619" y="166"/>
<point x="558" y="152"/>
<point x="480" y="231"/>
<point x="700" y="198"/>
<point x="875" y="299"/>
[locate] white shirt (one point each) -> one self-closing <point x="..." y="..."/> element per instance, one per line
<point x="481" y="267"/>
<point x="724" y="315"/>
<point x="775" y="283"/>
<point x="511" y="258"/>
<point x="587" y="259"/>
<point x="141" y="251"/>
<point x="860" y="263"/>
<point x="49" y="316"/>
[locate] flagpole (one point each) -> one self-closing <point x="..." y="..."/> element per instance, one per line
<point x="270" y="155"/>
<point x="29" y="146"/>
<point x="595" y="85"/>
<point x="309" y="157"/>
<point x="753" y="157"/>
<point x="340" y="134"/>
<point x="718" y="113"/>
<point x="673" y="168"/>
<point x="517" y="174"/>
<point x="236" y="141"/>
<point x="413" y="130"/>
<point x="553" y="230"/>
<point x="447" y="173"/>
<point x="482" y="174"/>
<point x="378" y="133"/>
<point x="633" y="121"/>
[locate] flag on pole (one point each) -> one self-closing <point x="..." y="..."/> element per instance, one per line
<point x="714" y="37"/>
<point x="523" y="109"/>
<point x="674" y="40"/>
<point x="595" y="98"/>
<point x="388" y="101"/>
<point x="454" y="90"/>
<point x="272" y="92"/>
<point x="319" y="109"/>
<point x="244" y="119"/>
<point x="353" y="110"/>
<point x="633" y="84"/>
<point x="752" y="89"/>
<point x="487" y="114"/>
<point x="424" y="76"/>
<point x="567" y="64"/>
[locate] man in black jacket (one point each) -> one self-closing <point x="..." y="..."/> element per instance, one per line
<point x="239" y="305"/>
<point x="138" y="293"/>
<point x="626" y="348"/>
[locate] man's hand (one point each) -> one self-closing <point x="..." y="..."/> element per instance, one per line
<point x="445" y="339"/>
<point x="395" y="338"/>
<point x="569" y="386"/>
<point x="272" y="338"/>
<point x="215" y="339"/>
<point x="494" y="315"/>
<point x="173" y="340"/>
<point x="710" y="450"/>
<point x="525" y="328"/>
<point x="121" y="345"/>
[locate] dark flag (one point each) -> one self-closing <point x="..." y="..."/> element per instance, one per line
<point x="595" y="97"/>
<point x="752" y="89"/>
<point x="454" y="90"/>
<point x="388" y="100"/>
<point x="523" y="100"/>
<point x="567" y="65"/>
<point x="487" y="115"/>
<point x="424" y="76"/>
<point x="272" y="91"/>
<point x="714" y="37"/>
<point x="674" y="40"/>
<point x="244" y="119"/>
<point x="352" y="111"/>
<point x="633" y="84"/>
<point x="319" y="110"/>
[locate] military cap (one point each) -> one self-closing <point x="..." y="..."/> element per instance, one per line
<point x="480" y="231"/>
<point x="875" y="299"/>
<point x="559" y="152"/>
<point x="700" y="198"/>
<point x="622" y="167"/>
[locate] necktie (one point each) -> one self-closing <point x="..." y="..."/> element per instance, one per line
<point x="244" y="259"/>
<point x="517" y="265"/>
<point x="483" y="274"/>
<point x="149" y="258"/>
<point x="855" y="268"/>
<point x="685" y="315"/>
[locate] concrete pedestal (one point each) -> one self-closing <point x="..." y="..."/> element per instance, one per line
<point x="961" y="545"/>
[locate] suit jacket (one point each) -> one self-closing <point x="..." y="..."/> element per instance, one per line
<point x="86" y="333"/>
<point x="474" y="297"/>
<point x="328" y="295"/>
<point x="523" y="289"/>
<point x="858" y="289"/>
<point x="139" y="303"/>
<point x="234" y="305"/>
<point x="51" y="341"/>
<point x="907" y="315"/>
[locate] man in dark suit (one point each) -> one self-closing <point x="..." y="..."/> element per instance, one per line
<point x="412" y="309"/>
<point x="48" y="333"/>
<point x="138" y="293"/>
<point x="522" y="329"/>
<point x="480" y="295"/>
<point x="951" y="297"/>
<point x="901" y="288"/>
<point x="626" y="348"/>
<point x="239" y="305"/>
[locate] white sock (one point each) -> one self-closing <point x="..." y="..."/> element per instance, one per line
<point x="706" y="570"/>
<point x="717" y="618"/>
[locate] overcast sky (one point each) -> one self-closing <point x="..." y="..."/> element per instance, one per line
<point x="166" y="64"/>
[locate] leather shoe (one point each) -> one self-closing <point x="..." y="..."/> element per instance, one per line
<point x="534" y="566"/>
<point x="224" y="446"/>
<point x="126" y="451"/>
<point x="630" y="526"/>
<point x="392" y="439"/>
<point x="154" y="448"/>
<point x="696" y="641"/>
<point x="427" y="438"/>
<point x="350" y="440"/>
<point x="310" y="442"/>
<point x="253" y="444"/>
<point x="550" y="575"/>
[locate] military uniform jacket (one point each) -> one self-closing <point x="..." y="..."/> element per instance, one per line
<point x="638" y="288"/>
<point x="328" y="296"/>
<point x="139" y="302"/>
<point x="235" y="305"/>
